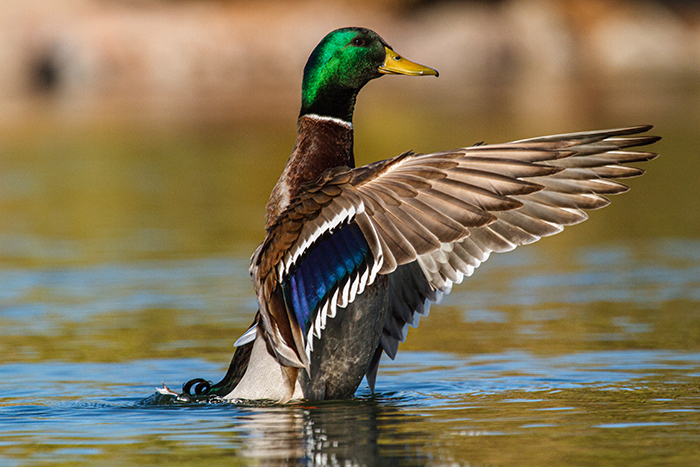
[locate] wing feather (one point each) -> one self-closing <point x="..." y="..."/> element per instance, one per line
<point x="430" y="219"/>
<point x="577" y="179"/>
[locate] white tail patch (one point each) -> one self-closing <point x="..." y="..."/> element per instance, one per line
<point x="247" y="337"/>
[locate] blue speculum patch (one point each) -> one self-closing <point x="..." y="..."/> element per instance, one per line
<point x="326" y="264"/>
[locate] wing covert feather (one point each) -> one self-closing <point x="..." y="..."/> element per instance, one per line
<point x="444" y="213"/>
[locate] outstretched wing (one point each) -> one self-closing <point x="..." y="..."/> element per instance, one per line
<point x="583" y="183"/>
<point x="444" y="211"/>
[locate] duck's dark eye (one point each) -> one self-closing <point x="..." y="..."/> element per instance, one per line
<point x="359" y="42"/>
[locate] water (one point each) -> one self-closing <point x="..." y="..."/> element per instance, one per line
<point x="123" y="265"/>
<point x="584" y="368"/>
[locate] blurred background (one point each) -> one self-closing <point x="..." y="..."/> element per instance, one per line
<point x="82" y="61"/>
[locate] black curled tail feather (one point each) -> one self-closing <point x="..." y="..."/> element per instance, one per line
<point x="198" y="389"/>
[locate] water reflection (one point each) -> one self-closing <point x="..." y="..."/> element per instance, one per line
<point x="363" y="432"/>
<point x="432" y="409"/>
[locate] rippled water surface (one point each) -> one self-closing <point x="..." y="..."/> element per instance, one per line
<point x="123" y="265"/>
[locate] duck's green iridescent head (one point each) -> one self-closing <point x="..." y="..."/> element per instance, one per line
<point x="344" y="61"/>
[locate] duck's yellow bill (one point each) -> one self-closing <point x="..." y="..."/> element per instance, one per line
<point x="396" y="64"/>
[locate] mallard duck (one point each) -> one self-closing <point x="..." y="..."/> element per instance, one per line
<point x="353" y="256"/>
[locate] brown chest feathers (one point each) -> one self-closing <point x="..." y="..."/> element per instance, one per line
<point x="322" y="143"/>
